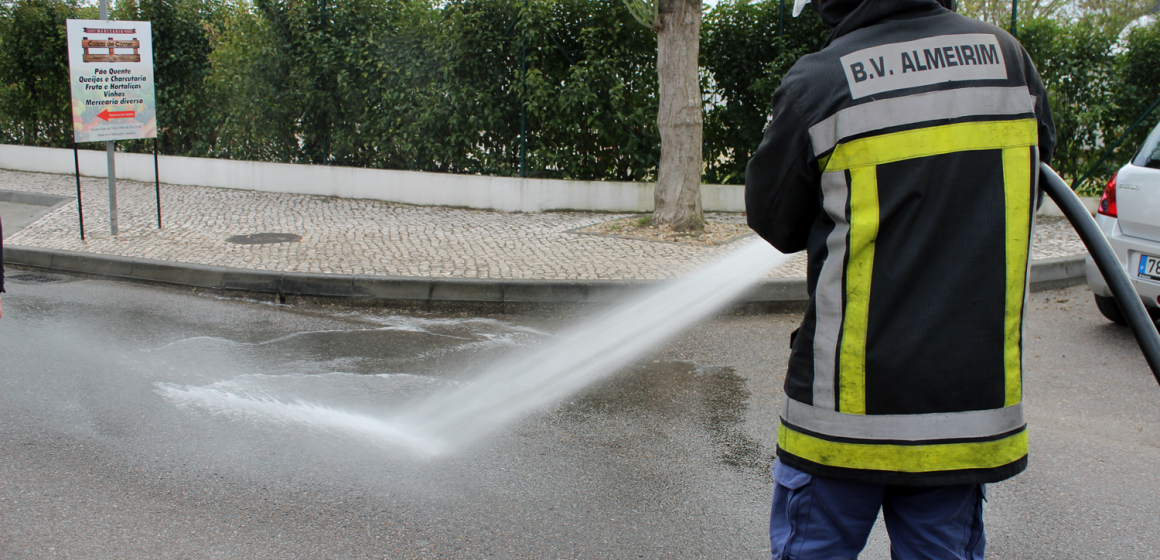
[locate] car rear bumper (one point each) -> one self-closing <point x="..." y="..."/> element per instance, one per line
<point x="1128" y="250"/>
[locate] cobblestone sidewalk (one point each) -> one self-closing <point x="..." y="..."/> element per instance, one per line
<point x="344" y="236"/>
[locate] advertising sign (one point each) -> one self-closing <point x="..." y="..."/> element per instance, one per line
<point x="111" y="75"/>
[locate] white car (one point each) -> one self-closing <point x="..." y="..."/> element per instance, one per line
<point x="1129" y="215"/>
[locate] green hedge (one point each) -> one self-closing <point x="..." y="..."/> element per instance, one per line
<point x="438" y="86"/>
<point x="35" y="97"/>
<point x="1097" y="89"/>
<point x="744" y="59"/>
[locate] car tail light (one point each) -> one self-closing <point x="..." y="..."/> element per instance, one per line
<point x="1108" y="200"/>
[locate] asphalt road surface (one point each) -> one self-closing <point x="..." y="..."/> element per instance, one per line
<point x="143" y="422"/>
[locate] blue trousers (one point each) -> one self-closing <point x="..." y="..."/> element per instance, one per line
<point x="816" y="518"/>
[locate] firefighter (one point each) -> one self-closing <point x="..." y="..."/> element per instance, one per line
<point x="903" y="157"/>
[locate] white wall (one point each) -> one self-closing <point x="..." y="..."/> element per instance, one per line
<point x="409" y="187"/>
<point x="507" y="194"/>
<point x="1050" y="209"/>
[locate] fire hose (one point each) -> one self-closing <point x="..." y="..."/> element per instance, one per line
<point x="1105" y="258"/>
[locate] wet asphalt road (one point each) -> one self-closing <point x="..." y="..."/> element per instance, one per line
<point x="106" y="451"/>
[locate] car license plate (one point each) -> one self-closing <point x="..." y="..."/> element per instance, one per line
<point x="1149" y="267"/>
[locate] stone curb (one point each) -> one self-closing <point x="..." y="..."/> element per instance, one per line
<point x="34" y="199"/>
<point x="433" y="293"/>
<point x="1062" y="272"/>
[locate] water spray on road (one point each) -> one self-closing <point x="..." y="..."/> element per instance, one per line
<point x="528" y="379"/>
<point x="587" y="353"/>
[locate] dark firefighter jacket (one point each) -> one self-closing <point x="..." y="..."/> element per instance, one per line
<point x="903" y="157"/>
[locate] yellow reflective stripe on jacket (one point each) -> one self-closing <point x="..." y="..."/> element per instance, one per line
<point x="933" y="141"/>
<point x="861" y="157"/>
<point x="1017" y="190"/>
<point x="904" y="458"/>
<point x="859" y="273"/>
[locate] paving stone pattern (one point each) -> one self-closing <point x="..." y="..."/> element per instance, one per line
<point x="345" y="236"/>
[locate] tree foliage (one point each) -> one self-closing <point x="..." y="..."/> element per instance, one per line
<point x="35" y="102"/>
<point x="246" y="90"/>
<point x="1111" y="15"/>
<point x="591" y="92"/>
<point x="1097" y="88"/>
<point x="437" y="85"/>
<point x="1137" y="88"/>
<point x="438" y="89"/>
<point x="998" y="12"/>
<point x="1079" y="69"/>
<point x="181" y="32"/>
<point x="645" y="11"/>
<point x="744" y="58"/>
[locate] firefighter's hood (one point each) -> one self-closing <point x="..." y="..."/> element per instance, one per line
<point x="847" y="15"/>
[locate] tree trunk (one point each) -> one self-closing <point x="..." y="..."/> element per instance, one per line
<point x="678" y="189"/>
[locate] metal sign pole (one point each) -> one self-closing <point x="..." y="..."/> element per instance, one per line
<point x="1015" y="18"/>
<point x="780" y="26"/>
<point x="157" y="181"/>
<point x="80" y="206"/>
<point x="110" y="149"/>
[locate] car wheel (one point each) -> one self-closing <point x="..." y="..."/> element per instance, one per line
<point x="1110" y="309"/>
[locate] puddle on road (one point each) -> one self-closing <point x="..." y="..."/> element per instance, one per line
<point x="714" y="396"/>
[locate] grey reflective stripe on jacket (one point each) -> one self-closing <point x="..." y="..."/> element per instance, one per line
<point x="922" y="107"/>
<point x="905" y="427"/>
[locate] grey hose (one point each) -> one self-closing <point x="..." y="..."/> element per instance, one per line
<point x="1110" y="267"/>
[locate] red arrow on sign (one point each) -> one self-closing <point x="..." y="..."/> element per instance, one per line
<point x="107" y="114"/>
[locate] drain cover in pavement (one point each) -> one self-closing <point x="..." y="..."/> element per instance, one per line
<point x="263" y="238"/>
<point x="32" y="278"/>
